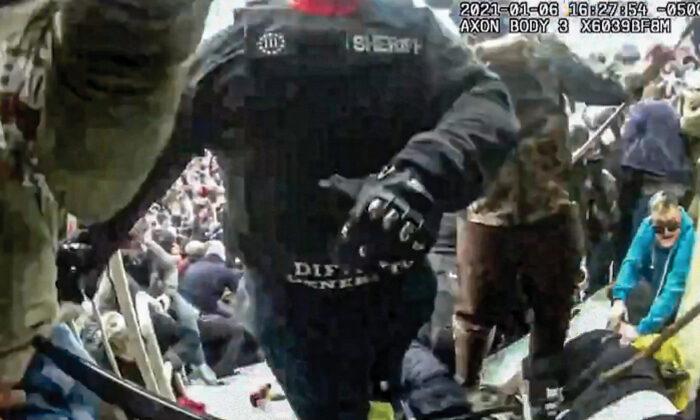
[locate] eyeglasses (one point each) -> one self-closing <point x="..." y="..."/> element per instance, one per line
<point x="670" y="227"/>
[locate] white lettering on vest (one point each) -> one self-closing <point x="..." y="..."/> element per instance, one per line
<point x="386" y="44"/>
<point x="302" y="269"/>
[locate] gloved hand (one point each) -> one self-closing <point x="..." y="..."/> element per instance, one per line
<point x="628" y="332"/>
<point x="388" y="227"/>
<point x="72" y="260"/>
<point x="618" y="313"/>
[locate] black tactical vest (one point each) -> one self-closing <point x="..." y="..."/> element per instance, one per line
<point x="308" y="97"/>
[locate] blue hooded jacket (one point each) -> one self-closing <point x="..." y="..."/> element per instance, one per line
<point x="638" y="265"/>
<point x="652" y="142"/>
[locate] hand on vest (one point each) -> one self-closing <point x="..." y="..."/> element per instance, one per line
<point x="629" y="333"/>
<point x="387" y="227"/>
<point x="617" y="314"/>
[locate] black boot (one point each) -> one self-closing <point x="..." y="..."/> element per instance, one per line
<point x="542" y="378"/>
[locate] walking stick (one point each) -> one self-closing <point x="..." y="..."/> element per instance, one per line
<point x="659" y="341"/>
<point x="581" y="151"/>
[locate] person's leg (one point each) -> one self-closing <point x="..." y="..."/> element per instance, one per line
<point x="484" y="275"/>
<point x="396" y="318"/>
<point x="190" y="344"/>
<point x="234" y="346"/>
<point x="445" y="269"/>
<point x="317" y="345"/>
<point x="630" y="190"/>
<point x="166" y="330"/>
<point x="550" y="267"/>
<point x="186" y="317"/>
<point x="599" y="259"/>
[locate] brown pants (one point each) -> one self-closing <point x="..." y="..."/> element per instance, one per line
<point x="540" y="261"/>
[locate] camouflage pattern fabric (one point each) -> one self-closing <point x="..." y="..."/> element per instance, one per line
<point x="541" y="73"/>
<point x="532" y="184"/>
<point x="88" y="95"/>
<point x="29" y="214"/>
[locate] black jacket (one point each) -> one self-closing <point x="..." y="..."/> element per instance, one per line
<point x="205" y="281"/>
<point x="287" y="99"/>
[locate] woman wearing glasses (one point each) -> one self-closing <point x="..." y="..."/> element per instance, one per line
<point x="652" y="276"/>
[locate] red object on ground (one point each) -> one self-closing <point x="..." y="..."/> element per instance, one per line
<point x="192" y="405"/>
<point x="259" y="397"/>
<point x="326" y="7"/>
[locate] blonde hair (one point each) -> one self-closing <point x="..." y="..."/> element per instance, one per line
<point x="662" y="202"/>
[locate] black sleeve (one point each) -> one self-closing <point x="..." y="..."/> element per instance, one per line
<point x="215" y="102"/>
<point x="477" y="130"/>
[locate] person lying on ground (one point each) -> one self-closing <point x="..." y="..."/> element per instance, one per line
<point x="643" y="392"/>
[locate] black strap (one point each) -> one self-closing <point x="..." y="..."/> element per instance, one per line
<point x="134" y="400"/>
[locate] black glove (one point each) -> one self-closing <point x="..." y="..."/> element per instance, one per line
<point x="76" y="277"/>
<point x="388" y="227"/>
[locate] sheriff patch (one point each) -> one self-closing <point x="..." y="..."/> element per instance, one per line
<point x="384" y="44"/>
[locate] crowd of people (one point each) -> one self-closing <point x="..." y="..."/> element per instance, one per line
<point x="177" y="256"/>
<point x="635" y="188"/>
<point x="387" y="222"/>
<point x="631" y="190"/>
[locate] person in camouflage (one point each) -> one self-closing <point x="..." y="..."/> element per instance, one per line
<point x="526" y="225"/>
<point x="88" y="97"/>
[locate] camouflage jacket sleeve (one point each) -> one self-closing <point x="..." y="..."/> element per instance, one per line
<point x="118" y="71"/>
<point x="93" y="88"/>
<point x="475" y="132"/>
<point x="194" y="129"/>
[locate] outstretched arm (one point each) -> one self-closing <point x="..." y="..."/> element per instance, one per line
<point x="118" y="69"/>
<point x="191" y="134"/>
<point x="666" y="304"/>
<point x="630" y="268"/>
<point x="475" y="132"/>
<point x="441" y="169"/>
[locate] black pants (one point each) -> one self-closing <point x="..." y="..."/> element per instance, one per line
<point x="227" y="345"/>
<point x="445" y="268"/>
<point x="599" y="257"/>
<point x="505" y="267"/>
<point x="329" y="348"/>
<point x="630" y="191"/>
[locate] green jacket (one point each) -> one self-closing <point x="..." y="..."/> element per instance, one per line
<point x="88" y="95"/>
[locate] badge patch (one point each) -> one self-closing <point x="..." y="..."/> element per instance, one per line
<point x="271" y="43"/>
